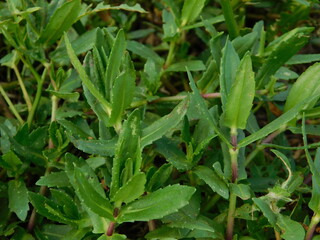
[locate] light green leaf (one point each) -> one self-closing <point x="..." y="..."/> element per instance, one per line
<point x="195" y="65"/>
<point x="127" y="149"/>
<point x="97" y="147"/>
<point x="60" y="21"/>
<point x="239" y="101"/>
<point x="133" y="189"/>
<point x="266" y="210"/>
<point x="157" y="204"/>
<point x="144" y="51"/>
<point x="191" y="10"/>
<point x="72" y="97"/>
<point x="54" y="179"/>
<point x="290" y="230"/>
<point x="159" y="177"/>
<point x="213" y="180"/>
<point x="242" y="44"/>
<point x="241" y="190"/>
<point x="84" y="77"/>
<point x="229" y="63"/>
<point x="170" y="28"/>
<point x="160" y="127"/>
<point x="306" y="86"/>
<point x="117" y="51"/>
<point x="122" y="95"/>
<point x="18" y="198"/>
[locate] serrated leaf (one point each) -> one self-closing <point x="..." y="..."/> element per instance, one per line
<point x="128" y="149"/>
<point x="160" y="127"/>
<point x="54" y="179"/>
<point x="122" y="95"/>
<point x="157" y="204"/>
<point x="191" y="10"/>
<point x="117" y="51"/>
<point x="90" y="197"/>
<point x="18" y="198"/>
<point x="229" y="63"/>
<point x="239" y="101"/>
<point x="213" y="180"/>
<point x="133" y="189"/>
<point x="60" y="21"/>
<point x="194" y="65"/>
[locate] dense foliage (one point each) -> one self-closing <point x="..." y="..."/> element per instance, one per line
<point x="187" y="119"/>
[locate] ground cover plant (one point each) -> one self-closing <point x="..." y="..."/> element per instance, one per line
<point x="187" y="119"/>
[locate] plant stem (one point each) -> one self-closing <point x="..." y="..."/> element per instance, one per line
<point x="23" y="88"/>
<point x="277" y="235"/>
<point x="229" y="18"/>
<point x="170" y="54"/>
<point x="10" y="104"/>
<point x="37" y="98"/>
<point x="151" y="225"/>
<point x="231" y="211"/>
<point x="233" y="198"/>
<point x="314" y="222"/>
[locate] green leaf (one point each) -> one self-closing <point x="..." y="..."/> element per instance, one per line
<point x="173" y="154"/>
<point x="133" y="189"/>
<point x="157" y="204"/>
<point x="18" y="198"/>
<point x="90" y="197"/>
<point x="54" y="179"/>
<point x="60" y="21"/>
<point x="239" y="101"/>
<point x="195" y="65"/>
<point x="84" y="77"/>
<point x="170" y="28"/>
<point x="191" y="10"/>
<point x="49" y="209"/>
<point x="159" y="178"/>
<point x="241" y="190"/>
<point x="160" y="127"/>
<point x="72" y="97"/>
<point x="242" y="44"/>
<point x="303" y="58"/>
<point x="213" y="180"/>
<point x="266" y="210"/>
<point x="306" y="86"/>
<point x="203" y="110"/>
<point x="144" y="51"/>
<point x="281" y="50"/>
<point x="117" y="51"/>
<point x="287" y="165"/>
<point x="277" y="123"/>
<point x="97" y="147"/>
<point x="290" y="230"/>
<point x="229" y="62"/>
<point x="128" y="149"/>
<point x="210" y="78"/>
<point x="66" y="202"/>
<point x="122" y="95"/>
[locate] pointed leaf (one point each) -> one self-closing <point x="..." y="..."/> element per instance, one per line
<point x="133" y="189"/>
<point x="61" y="20"/>
<point x="160" y="127"/>
<point x="239" y="101"/>
<point x="191" y="10"/>
<point x="54" y="179"/>
<point x="157" y="204"/>
<point x="213" y="180"/>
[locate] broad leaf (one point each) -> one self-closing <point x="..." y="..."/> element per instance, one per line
<point x="239" y="101"/>
<point x="191" y="10"/>
<point x="54" y="179"/>
<point x="18" y="198"/>
<point x="157" y="204"/>
<point x="291" y="230"/>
